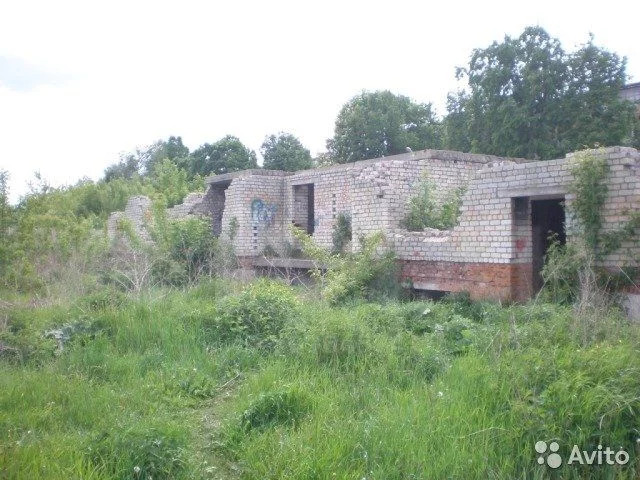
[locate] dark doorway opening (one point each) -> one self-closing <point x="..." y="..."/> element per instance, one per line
<point x="216" y="199"/>
<point x="419" y="294"/>
<point x="303" y="207"/>
<point x="547" y="222"/>
<point x="311" y="221"/>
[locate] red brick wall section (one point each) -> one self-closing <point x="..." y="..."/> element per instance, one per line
<point x="495" y="281"/>
<point x="521" y="281"/>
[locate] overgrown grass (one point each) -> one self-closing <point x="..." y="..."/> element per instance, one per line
<point x="157" y="388"/>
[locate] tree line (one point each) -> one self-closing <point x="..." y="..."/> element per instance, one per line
<point x="525" y="97"/>
<point x="281" y="151"/>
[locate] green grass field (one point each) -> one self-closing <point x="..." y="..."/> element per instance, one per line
<point x="268" y="382"/>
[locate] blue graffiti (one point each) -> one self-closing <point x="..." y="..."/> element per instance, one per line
<point x="262" y="213"/>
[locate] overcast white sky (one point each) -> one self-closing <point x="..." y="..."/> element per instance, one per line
<point x="82" y="81"/>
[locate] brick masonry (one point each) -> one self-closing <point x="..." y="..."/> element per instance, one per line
<point x="138" y="212"/>
<point x="495" y="228"/>
<point x="489" y="253"/>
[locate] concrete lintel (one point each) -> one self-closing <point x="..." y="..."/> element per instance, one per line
<point x="213" y="179"/>
<point x="534" y="191"/>
<point x="297" y="183"/>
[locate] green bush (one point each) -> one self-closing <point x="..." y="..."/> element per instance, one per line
<point x="53" y="229"/>
<point x="194" y="383"/>
<point x="280" y="407"/>
<point x="571" y="273"/>
<point x="589" y="172"/>
<point x="419" y="318"/>
<point x="341" y="234"/>
<point x="366" y="274"/>
<point x="478" y="311"/>
<point x="338" y="341"/>
<point x="369" y="273"/>
<point x="415" y="359"/>
<point x="142" y="451"/>
<point x="191" y="251"/>
<point x="104" y="298"/>
<point x="209" y="289"/>
<point x="184" y="252"/>
<point x="22" y="340"/>
<point x="170" y="181"/>
<point x="444" y="329"/>
<point x="456" y="334"/>
<point x="255" y="316"/>
<point x="560" y="272"/>
<point x="269" y="251"/>
<point x="394" y="318"/>
<point x="26" y="347"/>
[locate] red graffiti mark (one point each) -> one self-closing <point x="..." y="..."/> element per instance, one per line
<point x="521" y="243"/>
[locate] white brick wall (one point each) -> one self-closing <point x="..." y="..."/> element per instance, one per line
<point x="487" y="231"/>
<point x="375" y="194"/>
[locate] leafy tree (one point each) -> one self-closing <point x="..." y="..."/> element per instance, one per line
<point x="226" y="155"/>
<point x="285" y="152"/>
<point x="131" y="164"/>
<point x="173" y="149"/>
<point x="127" y="167"/>
<point x="323" y="159"/>
<point x="5" y="223"/>
<point x="374" y="124"/>
<point x="87" y="199"/>
<point x="51" y="228"/>
<point x="456" y="127"/>
<point x="4" y="197"/>
<point x="45" y="231"/>
<point x="594" y="94"/>
<point x="529" y="98"/>
<point x="172" y="182"/>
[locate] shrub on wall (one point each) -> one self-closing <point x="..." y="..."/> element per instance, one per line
<point x="590" y="194"/>
<point x="426" y="211"/>
<point x="571" y="272"/>
<point x="341" y="234"/>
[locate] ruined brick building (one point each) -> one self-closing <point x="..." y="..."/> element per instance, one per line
<point x="631" y="92"/>
<point x="496" y="251"/>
